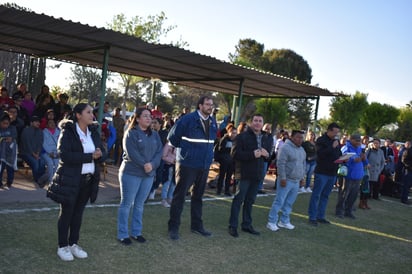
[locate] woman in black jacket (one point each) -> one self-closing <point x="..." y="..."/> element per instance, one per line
<point x="77" y="177"/>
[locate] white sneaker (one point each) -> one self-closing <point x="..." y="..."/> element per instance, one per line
<point x="78" y="252"/>
<point x="308" y="190"/>
<point x="65" y="254"/>
<point x="272" y="226"/>
<point x="287" y="226"/>
<point x="165" y="203"/>
<point x="302" y="190"/>
<point x="152" y="195"/>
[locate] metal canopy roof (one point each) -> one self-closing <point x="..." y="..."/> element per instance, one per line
<point x="44" y="36"/>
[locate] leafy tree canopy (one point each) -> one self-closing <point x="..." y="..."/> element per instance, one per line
<point x="347" y="110"/>
<point x="375" y="116"/>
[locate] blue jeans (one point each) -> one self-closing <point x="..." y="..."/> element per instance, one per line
<point x="310" y="167"/>
<point x="169" y="186"/>
<point x="246" y="194"/>
<point x="284" y="200"/>
<point x="406" y="184"/>
<point x="10" y="173"/>
<point x="37" y="165"/>
<point x="51" y="164"/>
<point x="322" y="187"/>
<point x="133" y="191"/>
<point x="265" y="170"/>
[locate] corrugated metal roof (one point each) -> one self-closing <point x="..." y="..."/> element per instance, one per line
<point x="44" y="36"/>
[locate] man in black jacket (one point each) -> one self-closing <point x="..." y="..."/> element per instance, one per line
<point x="250" y="149"/>
<point x="327" y="151"/>
<point x="407" y="178"/>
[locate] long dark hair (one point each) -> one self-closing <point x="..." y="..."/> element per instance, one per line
<point x="136" y="116"/>
<point x="77" y="109"/>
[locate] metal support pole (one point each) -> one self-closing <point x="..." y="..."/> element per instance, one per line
<point x="316" y="114"/>
<point x="152" y="95"/>
<point x="233" y="114"/>
<point x="240" y="101"/>
<point x="103" y="87"/>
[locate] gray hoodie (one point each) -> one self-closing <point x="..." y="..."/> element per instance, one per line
<point x="291" y="162"/>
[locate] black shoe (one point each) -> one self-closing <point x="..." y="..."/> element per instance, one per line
<point x="173" y="235"/>
<point x="323" y="221"/>
<point x="125" y="241"/>
<point x="406" y="202"/>
<point x="139" y="239"/>
<point x="228" y="194"/>
<point x="202" y="232"/>
<point x="261" y="192"/>
<point x="350" y="215"/>
<point x="313" y="222"/>
<point x="233" y="232"/>
<point x="250" y="230"/>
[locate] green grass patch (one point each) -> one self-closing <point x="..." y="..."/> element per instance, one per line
<point x="378" y="241"/>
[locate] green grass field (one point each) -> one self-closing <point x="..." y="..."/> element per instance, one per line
<point x="378" y="241"/>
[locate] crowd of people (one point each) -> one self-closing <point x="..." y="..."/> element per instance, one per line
<point x="63" y="149"/>
<point x="29" y="132"/>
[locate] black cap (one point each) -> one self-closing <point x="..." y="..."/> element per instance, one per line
<point x="35" y="118"/>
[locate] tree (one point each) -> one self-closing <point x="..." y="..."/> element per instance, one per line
<point x="85" y="85"/>
<point x="274" y="110"/>
<point x="301" y="113"/>
<point x="283" y="62"/>
<point x="404" y="131"/>
<point x="375" y="116"/>
<point x="150" y="29"/>
<point x="347" y="110"/>
<point x="287" y="63"/>
<point x="248" y="52"/>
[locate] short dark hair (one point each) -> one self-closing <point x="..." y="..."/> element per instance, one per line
<point x="202" y="100"/>
<point x="257" y="115"/>
<point x="333" y="125"/>
<point x="296" y="131"/>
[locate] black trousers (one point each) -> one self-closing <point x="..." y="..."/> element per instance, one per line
<point x="71" y="214"/>
<point x="226" y="170"/>
<point x="185" y="177"/>
<point x="347" y="196"/>
<point x="246" y="195"/>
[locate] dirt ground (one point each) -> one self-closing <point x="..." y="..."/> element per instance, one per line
<point x="24" y="190"/>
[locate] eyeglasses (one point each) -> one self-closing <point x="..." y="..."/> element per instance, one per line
<point x="208" y="104"/>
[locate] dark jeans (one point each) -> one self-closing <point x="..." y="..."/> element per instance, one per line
<point x="226" y="169"/>
<point x="246" y="194"/>
<point x="375" y="189"/>
<point x="70" y="217"/>
<point x="38" y="167"/>
<point x="117" y="151"/>
<point x="159" y="176"/>
<point x="10" y="173"/>
<point x="347" y="197"/>
<point x="406" y="185"/>
<point x="185" y="177"/>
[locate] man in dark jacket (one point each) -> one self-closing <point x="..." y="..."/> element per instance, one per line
<point x="327" y="151"/>
<point x="250" y="150"/>
<point x="193" y="135"/>
<point x="407" y="178"/>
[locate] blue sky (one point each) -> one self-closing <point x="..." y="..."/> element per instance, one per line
<point x="362" y="45"/>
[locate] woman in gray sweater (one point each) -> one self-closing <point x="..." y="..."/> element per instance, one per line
<point x="142" y="153"/>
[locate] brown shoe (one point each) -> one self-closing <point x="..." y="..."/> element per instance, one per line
<point x="365" y="202"/>
<point x="362" y="204"/>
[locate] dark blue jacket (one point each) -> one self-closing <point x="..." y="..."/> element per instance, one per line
<point x="194" y="147"/>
